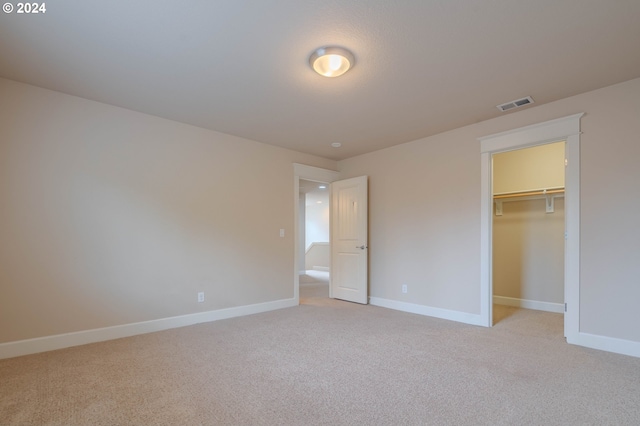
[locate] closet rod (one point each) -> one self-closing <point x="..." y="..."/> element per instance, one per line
<point x="530" y="193"/>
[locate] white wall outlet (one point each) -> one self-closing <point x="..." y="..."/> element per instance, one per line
<point x="201" y="297"/>
<point x="282" y="233"/>
<point x="404" y="288"/>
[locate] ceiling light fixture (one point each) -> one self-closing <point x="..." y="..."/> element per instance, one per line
<point x="331" y="61"/>
<point x="336" y="144"/>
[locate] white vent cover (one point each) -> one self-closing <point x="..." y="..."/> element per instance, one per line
<point x="515" y="104"/>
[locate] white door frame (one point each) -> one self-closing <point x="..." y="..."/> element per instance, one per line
<point x="302" y="171"/>
<point x="562" y="129"/>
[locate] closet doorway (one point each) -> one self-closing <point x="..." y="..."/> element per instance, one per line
<point x="561" y="129"/>
<point x="528" y="229"/>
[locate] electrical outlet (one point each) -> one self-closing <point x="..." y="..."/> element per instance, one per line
<point x="404" y="288"/>
<point x="201" y="297"/>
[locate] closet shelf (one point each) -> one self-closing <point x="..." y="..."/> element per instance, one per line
<point x="544" y="191"/>
<point x="548" y="193"/>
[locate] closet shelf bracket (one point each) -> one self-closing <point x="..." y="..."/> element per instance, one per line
<point x="550" y="203"/>
<point x="498" y="207"/>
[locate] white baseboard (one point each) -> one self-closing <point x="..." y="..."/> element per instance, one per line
<point x="429" y="311"/>
<point x="609" y="344"/>
<point x="603" y="343"/>
<point x="321" y="268"/>
<point x="60" y="341"/>
<point x="529" y="304"/>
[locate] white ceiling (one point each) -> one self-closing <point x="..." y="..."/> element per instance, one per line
<point x="241" y="66"/>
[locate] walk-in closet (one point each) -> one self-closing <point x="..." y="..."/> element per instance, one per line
<point x="528" y="227"/>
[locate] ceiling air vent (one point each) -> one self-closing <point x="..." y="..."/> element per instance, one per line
<point x="515" y="104"/>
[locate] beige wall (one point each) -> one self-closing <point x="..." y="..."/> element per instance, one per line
<point x="317" y="222"/>
<point x="424" y="223"/>
<point x="528" y="251"/>
<point x="425" y="207"/>
<point x="539" y="167"/>
<point x="109" y="216"/>
<point x="318" y="256"/>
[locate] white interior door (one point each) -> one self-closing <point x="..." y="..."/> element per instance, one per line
<point x="349" y="250"/>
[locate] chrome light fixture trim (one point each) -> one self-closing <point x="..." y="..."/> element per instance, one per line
<point x="331" y="61"/>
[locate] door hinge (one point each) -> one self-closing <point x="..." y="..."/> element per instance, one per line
<point x="565" y="307"/>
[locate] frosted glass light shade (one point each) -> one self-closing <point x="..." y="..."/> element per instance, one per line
<point x="331" y="61"/>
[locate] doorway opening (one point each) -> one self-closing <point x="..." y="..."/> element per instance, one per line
<point x="348" y="240"/>
<point x="528" y="232"/>
<point x="301" y="174"/>
<point x="314" y="231"/>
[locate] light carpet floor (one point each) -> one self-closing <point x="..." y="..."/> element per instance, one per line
<point x="328" y="362"/>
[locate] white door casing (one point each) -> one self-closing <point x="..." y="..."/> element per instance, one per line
<point x="349" y="240"/>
